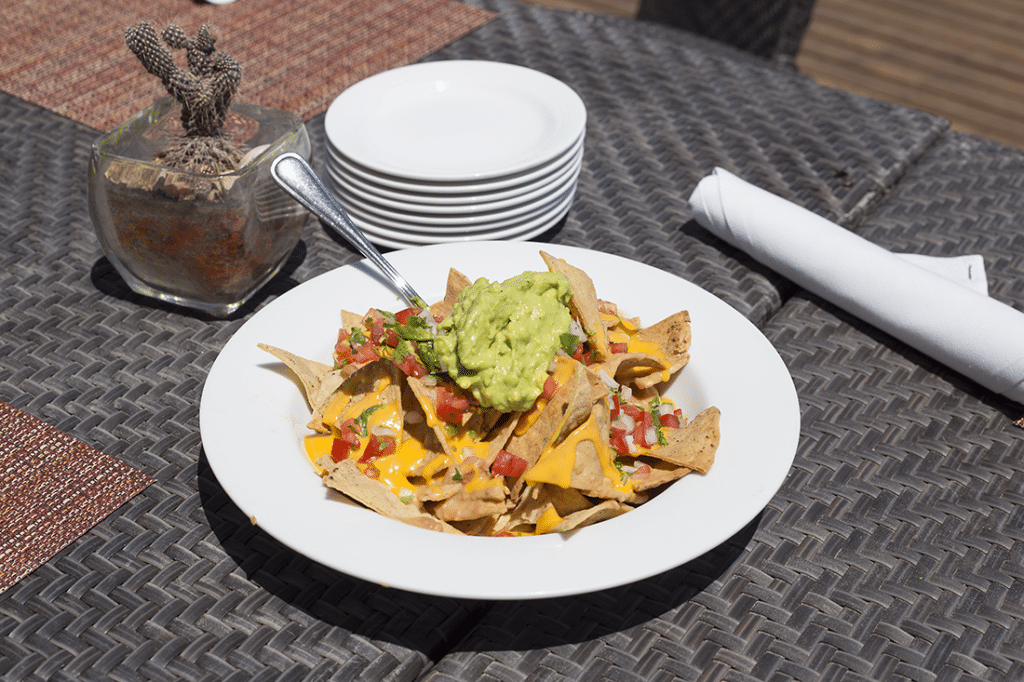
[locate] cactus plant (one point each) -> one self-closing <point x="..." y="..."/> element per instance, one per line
<point x="204" y="91"/>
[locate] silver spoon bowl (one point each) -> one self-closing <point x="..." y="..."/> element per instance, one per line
<point x="298" y="179"/>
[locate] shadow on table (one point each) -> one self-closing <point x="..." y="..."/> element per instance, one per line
<point x="437" y="625"/>
<point x="109" y="282"/>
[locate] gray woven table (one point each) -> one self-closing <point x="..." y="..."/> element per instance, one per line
<point x="893" y="551"/>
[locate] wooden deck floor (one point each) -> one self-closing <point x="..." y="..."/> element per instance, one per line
<point x="960" y="60"/>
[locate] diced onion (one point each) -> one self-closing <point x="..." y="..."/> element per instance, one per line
<point x="624" y="422"/>
<point x="383" y="431"/>
<point x="428" y="317"/>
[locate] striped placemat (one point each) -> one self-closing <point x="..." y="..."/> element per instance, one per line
<point x="53" y="488"/>
<point x="70" y="57"/>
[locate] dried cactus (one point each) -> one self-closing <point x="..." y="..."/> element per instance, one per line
<point x="204" y="92"/>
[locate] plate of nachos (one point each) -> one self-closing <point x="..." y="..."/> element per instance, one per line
<point x="548" y="421"/>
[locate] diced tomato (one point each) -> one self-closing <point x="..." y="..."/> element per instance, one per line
<point x="618" y="348"/>
<point x="403" y="315"/>
<point x="340" y="450"/>
<point x="645" y="422"/>
<point x="450" y="407"/>
<point x="617" y="440"/>
<point x="577" y="354"/>
<point x="364" y="354"/>
<point x="504" y="534"/>
<point x="379" y="446"/>
<point x="372" y="471"/>
<point x="550" y="386"/>
<point x="377" y="330"/>
<point x="346" y="439"/>
<point x="342" y="354"/>
<point x="642" y="471"/>
<point x="347" y="427"/>
<point x="412" y="367"/>
<point x="507" y="464"/>
<point x="669" y="420"/>
<point x="633" y="411"/>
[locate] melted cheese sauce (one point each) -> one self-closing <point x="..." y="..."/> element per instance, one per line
<point x="387" y="415"/>
<point x="548" y="520"/>
<point x="556" y="463"/>
<point x="396" y="469"/>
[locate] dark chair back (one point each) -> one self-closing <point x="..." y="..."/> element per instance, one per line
<point x="772" y="29"/>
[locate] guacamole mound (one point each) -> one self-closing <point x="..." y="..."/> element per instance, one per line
<point x="501" y="337"/>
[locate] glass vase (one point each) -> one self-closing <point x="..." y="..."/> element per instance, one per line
<point x="208" y="242"/>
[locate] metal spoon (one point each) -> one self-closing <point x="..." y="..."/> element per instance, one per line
<point x="298" y="179"/>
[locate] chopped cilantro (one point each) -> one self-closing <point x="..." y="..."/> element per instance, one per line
<point x="363" y="419"/>
<point x="415" y="329"/>
<point x="429" y="357"/>
<point x="655" y="406"/>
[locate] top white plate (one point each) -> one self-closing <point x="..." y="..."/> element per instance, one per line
<point x="253" y="416"/>
<point x="455" y="120"/>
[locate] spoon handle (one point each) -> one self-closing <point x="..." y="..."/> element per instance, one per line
<point x="298" y="179"/>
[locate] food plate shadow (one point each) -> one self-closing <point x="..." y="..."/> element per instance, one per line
<point x="440" y="625"/>
<point x="428" y="624"/>
<point x="109" y="282"/>
<point x="544" y="623"/>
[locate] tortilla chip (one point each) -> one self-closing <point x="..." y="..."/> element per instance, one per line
<point x="694" y="444"/>
<point x="500" y="435"/>
<point x="350" y="320"/>
<point x="574" y="509"/>
<point x="661" y="474"/>
<point x="484" y="526"/>
<point x="589" y="478"/>
<point x="583" y="302"/>
<point x="319" y="382"/>
<point x="456" y="283"/>
<point x="599" y="387"/>
<point x="606" y="510"/>
<point x="427" y="397"/>
<point x="673" y="336"/>
<point x="632" y="368"/>
<point x="346" y="478"/>
<point x="532" y="504"/>
<point x="474" y="503"/>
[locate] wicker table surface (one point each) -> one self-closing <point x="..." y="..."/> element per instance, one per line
<point x="894" y="547"/>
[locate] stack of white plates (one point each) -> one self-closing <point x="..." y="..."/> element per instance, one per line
<point x="455" y="151"/>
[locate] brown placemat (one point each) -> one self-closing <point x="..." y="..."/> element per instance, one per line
<point x="69" y="56"/>
<point x="53" y="488"/>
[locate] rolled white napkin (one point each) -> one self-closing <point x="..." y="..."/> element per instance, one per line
<point x="937" y="306"/>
